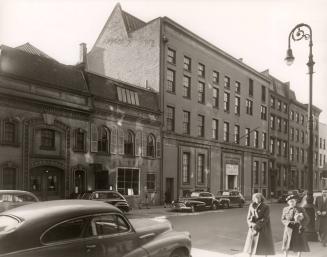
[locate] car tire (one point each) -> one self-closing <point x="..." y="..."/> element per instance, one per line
<point x="225" y="205"/>
<point x="214" y="206"/>
<point x="178" y="253"/>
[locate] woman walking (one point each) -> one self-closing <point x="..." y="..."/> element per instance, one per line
<point x="259" y="239"/>
<point x="294" y="219"/>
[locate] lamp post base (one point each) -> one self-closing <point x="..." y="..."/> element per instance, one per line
<point x="310" y="231"/>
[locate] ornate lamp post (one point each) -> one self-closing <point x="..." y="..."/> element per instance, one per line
<point x="299" y="32"/>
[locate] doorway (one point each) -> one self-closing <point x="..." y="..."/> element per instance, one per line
<point x="79" y="176"/>
<point x="231" y="182"/>
<point x="46" y="183"/>
<point x="170" y="188"/>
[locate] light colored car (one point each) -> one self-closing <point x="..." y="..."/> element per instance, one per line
<point x="10" y="199"/>
<point x="86" y="228"/>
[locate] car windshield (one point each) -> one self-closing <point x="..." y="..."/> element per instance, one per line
<point x="226" y="193"/>
<point x="7" y="223"/>
<point x="195" y="194"/>
<point x="107" y="195"/>
<point x="16" y="198"/>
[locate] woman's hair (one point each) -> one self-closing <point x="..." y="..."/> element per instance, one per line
<point x="258" y="196"/>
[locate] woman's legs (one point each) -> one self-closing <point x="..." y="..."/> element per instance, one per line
<point x="286" y="253"/>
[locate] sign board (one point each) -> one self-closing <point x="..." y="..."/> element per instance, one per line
<point x="232" y="169"/>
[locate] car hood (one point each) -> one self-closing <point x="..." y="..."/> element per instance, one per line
<point x="154" y="226"/>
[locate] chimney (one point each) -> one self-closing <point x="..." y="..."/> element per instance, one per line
<point x="82" y="53"/>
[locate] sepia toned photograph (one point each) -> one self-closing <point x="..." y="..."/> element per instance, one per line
<point x="163" y="128"/>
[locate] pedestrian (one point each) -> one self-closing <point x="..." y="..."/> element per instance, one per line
<point x="259" y="239"/>
<point x="321" y="216"/>
<point x="167" y="202"/>
<point x="294" y="219"/>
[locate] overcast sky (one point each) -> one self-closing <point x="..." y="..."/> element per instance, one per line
<point x="255" y="30"/>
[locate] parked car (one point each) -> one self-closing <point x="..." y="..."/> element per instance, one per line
<point x="236" y="198"/>
<point x="86" y="228"/>
<point x="200" y="201"/>
<point x="112" y="197"/>
<point x="10" y="199"/>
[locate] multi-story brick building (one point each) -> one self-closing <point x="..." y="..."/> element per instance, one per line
<point x="323" y="153"/>
<point x="65" y="131"/>
<point x="215" y="107"/>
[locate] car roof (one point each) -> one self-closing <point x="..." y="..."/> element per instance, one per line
<point x="59" y="210"/>
<point x="15" y="192"/>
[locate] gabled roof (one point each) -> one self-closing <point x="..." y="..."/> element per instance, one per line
<point x="38" y="69"/>
<point x="131" y="22"/>
<point x="28" y="48"/>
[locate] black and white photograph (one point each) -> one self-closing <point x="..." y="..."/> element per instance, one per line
<point x="163" y="128"/>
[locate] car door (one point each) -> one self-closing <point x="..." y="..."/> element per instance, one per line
<point x="113" y="236"/>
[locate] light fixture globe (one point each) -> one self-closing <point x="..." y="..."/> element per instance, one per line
<point x="289" y="59"/>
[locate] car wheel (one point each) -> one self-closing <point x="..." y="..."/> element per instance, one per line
<point x="225" y="205"/>
<point x="214" y="206"/>
<point x="178" y="253"/>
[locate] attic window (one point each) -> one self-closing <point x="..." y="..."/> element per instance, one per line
<point x="127" y="96"/>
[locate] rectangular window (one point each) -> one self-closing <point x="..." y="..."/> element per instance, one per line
<point x="264" y="173"/>
<point x="236" y="134"/>
<point x="263" y="112"/>
<point x="297" y="119"/>
<point x="272" y="146"/>
<point x="291" y="153"/>
<point x="47" y="139"/>
<point x="279" y="124"/>
<point x="297" y="152"/>
<point x="8" y="178"/>
<point x="256" y="139"/>
<point x="302" y="119"/>
<point x="186" y="122"/>
<point x="237" y="105"/>
<point x="302" y="155"/>
<point x="10" y="134"/>
<point x="284" y="148"/>
<point x="272" y="102"/>
<point x="171" y="56"/>
<point x="237" y="87"/>
<point x="250" y="87"/>
<point x="285" y="107"/>
<point x="215" y="77"/>
<point x="201" y="70"/>
<point x="292" y="134"/>
<point x="297" y="135"/>
<point x="247" y="137"/>
<point x="187" y="63"/>
<point x="215" y="129"/>
<point x="285" y="126"/>
<point x="227" y="82"/>
<point x="200" y="169"/>
<point x="186" y="87"/>
<point x="150" y="182"/>
<point x="279" y="105"/>
<point x="171" y="81"/>
<point x="200" y="125"/>
<point x="201" y="92"/>
<point x="302" y="137"/>
<point x="292" y="115"/>
<point x="226" y="101"/>
<point x="128" y="181"/>
<point x="249" y="107"/>
<point x="320" y="143"/>
<point x="272" y="122"/>
<point x="215" y="97"/>
<point x="170" y="118"/>
<point x="324" y="144"/>
<point x="256" y="172"/>
<point x="263" y="93"/>
<point x="264" y="140"/>
<point x="186" y="168"/>
<point x="279" y="147"/>
<point x="226" y="132"/>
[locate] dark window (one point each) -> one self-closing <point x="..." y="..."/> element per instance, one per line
<point x="47" y="139"/>
<point x="292" y="115"/>
<point x="250" y="87"/>
<point x="200" y="169"/>
<point x="68" y="230"/>
<point x="170" y="118"/>
<point x="263" y="93"/>
<point x="128" y="181"/>
<point x="201" y="70"/>
<point x="264" y="140"/>
<point x="256" y="172"/>
<point x="285" y="107"/>
<point x="226" y="101"/>
<point x="272" y="102"/>
<point x="272" y="122"/>
<point x="247" y="137"/>
<point x="279" y="105"/>
<point x="284" y="148"/>
<point x="272" y="146"/>
<point x="201" y="92"/>
<point x="285" y="126"/>
<point x="186" y="122"/>
<point x="8" y="178"/>
<point x="237" y="105"/>
<point x="215" y="77"/>
<point x="186" y="87"/>
<point x="236" y="134"/>
<point x="110" y="224"/>
<point x="226" y="132"/>
<point x="263" y="112"/>
<point x="103" y="140"/>
<point x="297" y="117"/>
<point x="10" y="132"/>
<point x="150" y="181"/>
<point x="186" y="168"/>
<point x="292" y="134"/>
<point x="215" y="129"/>
<point x="302" y="119"/>
<point x="227" y="82"/>
<point x="187" y="63"/>
<point x="256" y="139"/>
<point x="237" y="87"/>
<point x="170" y="81"/>
<point x="279" y="147"/>
<point x="264" y="173"/>
<point x="200" y="125"/>
<point x="150" y="146"/>
<point x="79" y="140"/>
<point x="215" y="97"/>
<point x="279" y="123"/>
<point x="292" y="153"/>
<point x="249" y="107"/>
<point x="129" y="143"/>
<point x="171" y="56"/>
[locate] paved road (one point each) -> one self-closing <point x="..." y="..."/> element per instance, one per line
<point x="223" y="231"/>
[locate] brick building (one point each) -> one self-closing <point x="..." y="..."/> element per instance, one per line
<point x="215" y="107"/>
<point x="65" y="131"/>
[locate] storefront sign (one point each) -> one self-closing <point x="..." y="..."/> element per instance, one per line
<point x="232" y="169"/>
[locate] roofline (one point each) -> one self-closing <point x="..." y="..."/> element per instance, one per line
<point x="214" y="48"/>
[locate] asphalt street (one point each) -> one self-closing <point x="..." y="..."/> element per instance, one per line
<point x="225" y="230"/>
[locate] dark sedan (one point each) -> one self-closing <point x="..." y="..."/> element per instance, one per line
<point x="85" y="228"/>
<point x="236" y="198"/>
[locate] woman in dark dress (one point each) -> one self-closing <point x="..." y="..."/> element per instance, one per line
<point x="294" y="219"/>
<point x="259" y="239"/>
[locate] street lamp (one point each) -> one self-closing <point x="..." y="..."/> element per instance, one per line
<point x="304" y="31"/>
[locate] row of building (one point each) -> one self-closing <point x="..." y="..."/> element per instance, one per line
<point x="151" y="108"/>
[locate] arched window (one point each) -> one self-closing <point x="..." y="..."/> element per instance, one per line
<point x="10" y="133"/>
<point x="150" y="146"/>
<point x="129" y="143"/>
<point x="103" y="140"/>
<point x="80" y="140"/>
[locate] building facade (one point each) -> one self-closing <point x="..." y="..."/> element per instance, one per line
<point x="323" y="154"/>
<point x="65" y="131"/>
<point x="214" y="107"/>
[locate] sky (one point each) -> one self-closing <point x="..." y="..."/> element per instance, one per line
<point x="255" y="30"/>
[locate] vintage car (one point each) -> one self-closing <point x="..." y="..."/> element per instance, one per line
<point x="236" y="198"/>
<point x="112" y="197"/>
<point x="199" y="201"/>
<point x="10" y="199"/>
<point x="86" y="228"/>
